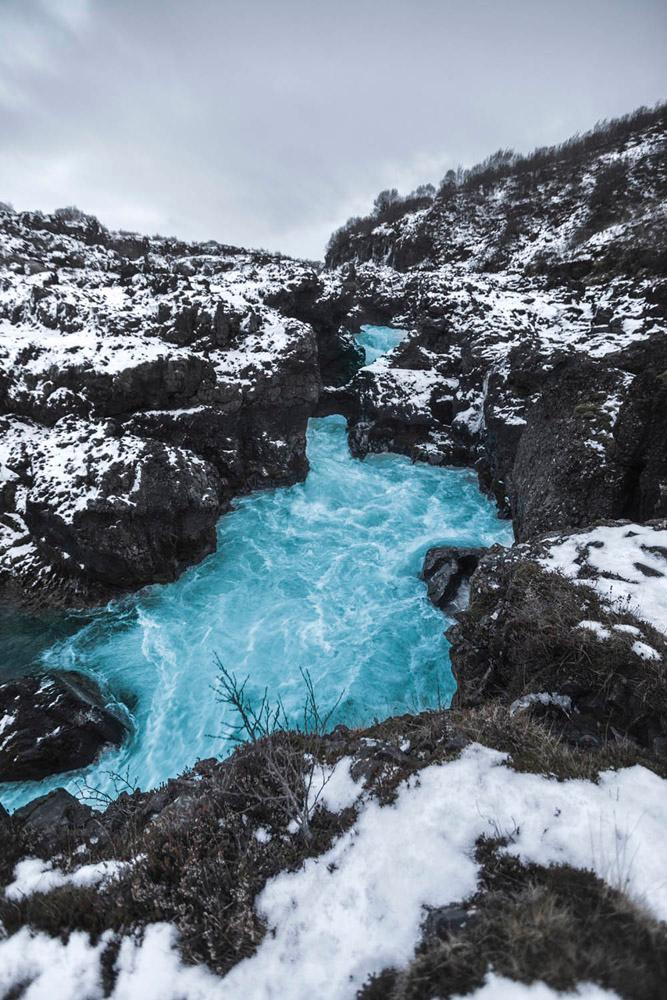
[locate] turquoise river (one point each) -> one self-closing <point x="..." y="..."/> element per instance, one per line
<point x="322" y="576"/>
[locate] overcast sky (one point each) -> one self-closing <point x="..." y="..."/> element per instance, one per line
<point x="269" y="122"/>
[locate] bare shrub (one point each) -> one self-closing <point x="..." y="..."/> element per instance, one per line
<point x="290" y="779"/>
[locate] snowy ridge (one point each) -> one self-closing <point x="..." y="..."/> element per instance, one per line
<point x="548" y="269"/>
<point x="625" y="563"/>
<point x="354" y="910"/>
<point x="118" y="354"/>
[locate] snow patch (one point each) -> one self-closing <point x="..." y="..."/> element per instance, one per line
<point x="34" y="875"/>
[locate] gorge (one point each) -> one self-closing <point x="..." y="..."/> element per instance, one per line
<point x="207" y="450"/>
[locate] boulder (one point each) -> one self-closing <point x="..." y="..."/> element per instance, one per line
<point x="445" y="569"/>
<point x="52" y="821"/>
<point x="55" y="810"/>
<point x="541" y="633"/>
<point x="54" y="722"/>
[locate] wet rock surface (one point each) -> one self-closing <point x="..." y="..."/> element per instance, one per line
<point x="445" y="569"/>
<point x="51" y="723"/>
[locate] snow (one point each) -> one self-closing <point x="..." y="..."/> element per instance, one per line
<point x="407" y="389"/>
<point x="34" y="875"/>
<point x="500" y="988"/>
<point x="150" y="969"/>
<point x="358" y="908"/>
<point x="336" y="788"/>
<point x="597" y="628"/>
<point x="5" y="721"/>
<point x="627" y="629"/>
<point x="55" y="971"/>
<point x="541" y="698"/>
<point x="645" y="652"/>
<point x="609" y="559"/>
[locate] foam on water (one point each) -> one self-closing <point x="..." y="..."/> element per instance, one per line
<point x="378" y="340"/>
<point x="322" y="576"/>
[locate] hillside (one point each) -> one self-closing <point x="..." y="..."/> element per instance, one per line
<point x="143" y="383"/>
<point x="530" y="282"/>
<point x="507" y="846"/>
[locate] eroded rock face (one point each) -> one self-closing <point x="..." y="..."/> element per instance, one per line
<point x="569" y="626"/>
<point x="589" y="449"/>
<point x="445" y="569"/>
<point x="537" y="353"/>
<point x="144" y="383"/>
<point x="54" y="722"/>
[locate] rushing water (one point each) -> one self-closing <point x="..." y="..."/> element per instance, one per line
<point x="323" y="576"/>
<point x="378" y="340"/>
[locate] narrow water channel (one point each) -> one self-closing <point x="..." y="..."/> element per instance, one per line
<point x="323" y="576"/>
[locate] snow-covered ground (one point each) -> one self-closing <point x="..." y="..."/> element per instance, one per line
<point x="625" y="563"/>
<point x="358" y="908"/>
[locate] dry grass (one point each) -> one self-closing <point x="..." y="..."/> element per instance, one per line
<point x="528" y="923"/>
<point x="534" y="745"/>
<point x="197" y="863"/>
<point x="500" y="652"/>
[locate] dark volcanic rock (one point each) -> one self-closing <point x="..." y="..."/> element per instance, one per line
<point x="150" y="511"/>
<point x="326" y="311"/>
<point x="445" y="569"/>
<point x="57" y="810"/>
<point x="544" y="642"/>
<point x="54" y="820"/>
<point x="143" y="384"/>
<point x="567" y="471"/>
<point x="537" y="351"/>
<point x="51" y="723"/>
<point x="594" y="445"/>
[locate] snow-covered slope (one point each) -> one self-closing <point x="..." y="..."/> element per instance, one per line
<point x="142" y="383"/>
<point x="536" y="292"/>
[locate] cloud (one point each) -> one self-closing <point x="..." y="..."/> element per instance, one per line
<point x="269" y="124"/>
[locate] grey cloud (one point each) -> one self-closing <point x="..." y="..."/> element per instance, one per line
<point x="266" y="123"/>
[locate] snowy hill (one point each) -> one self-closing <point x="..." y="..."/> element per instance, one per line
<point x="537" y="296"/>
<point x="143" y="382"/>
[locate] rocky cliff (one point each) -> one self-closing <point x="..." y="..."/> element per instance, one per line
<point x="508" y="846"/>
<point x="535" y="291"/>
<point x="144" y="383"/>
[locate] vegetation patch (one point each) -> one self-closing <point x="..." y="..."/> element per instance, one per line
<point x="528" y="630"/>
<point x="531" y="923"/>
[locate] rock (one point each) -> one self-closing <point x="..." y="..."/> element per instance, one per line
<point x="443" y="921"/>
<point x="52" y="723"/>
<point x="309" y="301"/>
<point x="542" y="369"/>
<point x="54" y="817"/>
<point x="552" y="642"/>
<point x="5" y="819"/>
<point x="122" y="446"/>
<point x="445" y="569"/>
<point x="590" y="447"/>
